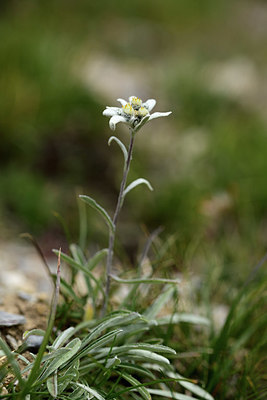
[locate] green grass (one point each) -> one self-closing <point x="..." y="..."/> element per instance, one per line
<point x="104" y="357"/>
<point x="148" y="345"/>
<point x="52" y="136"/>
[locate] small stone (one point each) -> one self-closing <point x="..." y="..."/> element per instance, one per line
<point x="7" y="319"/>
<point x="26" y="297"/>
<point x="12" y="342"/>
<point x="33" y="343"/>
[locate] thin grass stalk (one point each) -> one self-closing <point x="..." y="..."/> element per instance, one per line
<point x="36" y="367"/>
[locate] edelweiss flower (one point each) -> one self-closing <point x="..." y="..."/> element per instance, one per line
<point x="134" y="113"/>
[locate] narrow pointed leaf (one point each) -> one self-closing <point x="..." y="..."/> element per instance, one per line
<point x="79" y="267"/>
<point x="112" y="362"/>
<point x="145" y="280"/>
<point x="122" y="147"/>
<point x="146" y="355"/>
<point x="135" y="383"/>
<point x="101" y="210"/>
<point x="121" y="318"/>
<point x="36" y="332"/>
<point x="135" y="368"/>
<point x="192" y="387"/>
<point x="143" y="346"/>
<point x="183" y="317"/>
<point x="68" y="291"/>
<point x="52" y="385"/>
<point x="89" y="390"/>
<point x="77" y="253"/>
<point x="72" y="348"/>
<point x="12" y="361"/>
<point x="159" y="303"/>
<point x="92" y="263"/>
<point x="135" y="183"/>
<point x="170" y="394"/>
<point x="102" y="341"/>
<point x="63" y="338"/>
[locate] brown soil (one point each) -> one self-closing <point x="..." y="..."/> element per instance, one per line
<point x="35" y="312"/>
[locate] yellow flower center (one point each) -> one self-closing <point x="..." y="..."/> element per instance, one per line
<point x="142" y="112"/>
<point x="136" y="102"/>
<point x="128" y="109"/>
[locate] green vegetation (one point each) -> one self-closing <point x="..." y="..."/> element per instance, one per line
<point x="60" y="62"/>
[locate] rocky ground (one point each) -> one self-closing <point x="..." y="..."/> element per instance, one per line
<point x="25" y="291"/>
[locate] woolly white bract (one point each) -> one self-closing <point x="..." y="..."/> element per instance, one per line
<point x="135" y="113"/>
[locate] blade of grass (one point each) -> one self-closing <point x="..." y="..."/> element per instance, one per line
<point x="82" y="223"/>
<point x="36" y="366"/>
<point x="12" y="361"/>
<point x="80" y="267"/>
<point x="39" y="251"/>
<point x="145" y="280"/>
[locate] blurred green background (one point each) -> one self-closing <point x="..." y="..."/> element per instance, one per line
<point x="63" y="61"/>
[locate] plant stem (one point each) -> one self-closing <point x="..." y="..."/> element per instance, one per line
<point x="115" y="220"/>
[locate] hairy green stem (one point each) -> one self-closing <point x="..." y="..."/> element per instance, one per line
<point x="115" y="220"/>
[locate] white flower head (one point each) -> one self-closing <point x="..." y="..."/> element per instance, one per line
<point x="135" y="113"/>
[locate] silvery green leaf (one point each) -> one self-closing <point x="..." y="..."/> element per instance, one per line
<point x="170" y="394"/>
<point x="12" y="360"/>
<point x="120" y="318"/>
<point x="72" y="348"/>
<point x="134" y="329"/>
<point x="58" y="353"/>
<point x="68" y="375"/>
<point x="36" y="332"/>
<point x="20" y="357"/>
<point x="122" y="147"/>
<point x="135" y="368"/>
<point x="145" y="280"/>
<point x="155" y="308"/>
<point x="63" y="338"/>
<point x="183" y="317"/>
<point x="156" y="348"/>
<point x="51" y="384"/>
<point x="78" y="393"/>
<point x="135" y="383"/>
<point x="77" y="253"/>
<point x="112" y="362"/>
<point x="192" y="387"/>
<point x="101" y="210"/>
<point x="100" y="342"/>
<point x="135" y="183"/>
<point x="67" y="290"/>
<point x="182" y="381"/>
<point x="97" y="257"/>
<point x="79" y="267"/>
<point x="89" y="390"/>
<point x="146" y="355"/>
